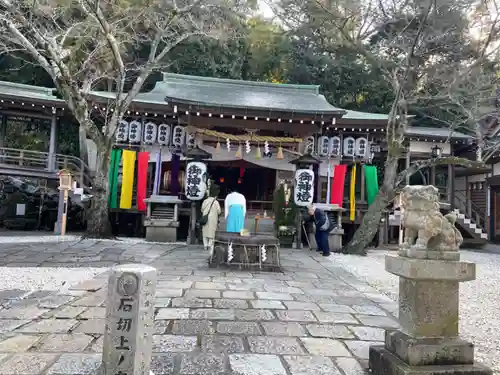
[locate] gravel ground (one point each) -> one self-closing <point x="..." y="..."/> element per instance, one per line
<point x="479" y="306"/>
<point x="45" y="278"/>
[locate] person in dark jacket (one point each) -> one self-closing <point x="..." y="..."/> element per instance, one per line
<point x="323" y="227"/>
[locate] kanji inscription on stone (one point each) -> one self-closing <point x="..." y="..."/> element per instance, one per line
<point x="129" y="320"/>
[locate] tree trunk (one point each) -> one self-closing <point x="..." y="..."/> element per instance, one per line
<point x="98" y="224"/>
<point x="371" y="220"/>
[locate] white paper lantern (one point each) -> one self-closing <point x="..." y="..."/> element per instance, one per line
<point x="323" y="146"/>
<point x="335" y="146"/>
<point x="134" y="132"/>
<point x="349" y="146"/>
<point x="163" y="134"/>
<point x="122" y="131"/>
<point x="247" y="147"/>
<point x="150" y="131"/>
<point x="304" y="187"/>
<point x="195" y="181"/>
<point x="361" y="147"/>
<point x="178" y="136"/>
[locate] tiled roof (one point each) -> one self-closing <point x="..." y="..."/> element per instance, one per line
<point x="21" y="91"/>
<point x="240" y="94"/>
<point x="424" y="131"/>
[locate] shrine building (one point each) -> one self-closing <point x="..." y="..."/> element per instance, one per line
<point x="252" y="131"/>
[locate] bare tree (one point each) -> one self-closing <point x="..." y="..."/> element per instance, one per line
<point x="466" y="100"/>
<point x="83" y="43"/>
<point x="410" y="43"/>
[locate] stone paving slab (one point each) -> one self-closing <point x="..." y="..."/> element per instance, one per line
<point x="308" y="319"/>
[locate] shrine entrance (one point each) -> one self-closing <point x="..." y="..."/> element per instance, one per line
<point x="256" y="183"/>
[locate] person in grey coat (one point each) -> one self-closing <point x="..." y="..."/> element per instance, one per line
<point x="323" y="227"/>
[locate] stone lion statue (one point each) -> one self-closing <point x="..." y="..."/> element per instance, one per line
<point x="425" y="227"/>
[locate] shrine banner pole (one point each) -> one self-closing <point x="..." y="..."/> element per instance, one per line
<point x="329" y="182"/>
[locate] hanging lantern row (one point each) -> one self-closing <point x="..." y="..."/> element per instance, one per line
<point x="32" y="105"/>
<point x="438" y="140"/>
<point x="335" y="146"/>
<point x="239" y="117"/>
<point x="163" y="134"/>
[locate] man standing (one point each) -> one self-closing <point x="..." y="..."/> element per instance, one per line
<point x="323" y="227"/>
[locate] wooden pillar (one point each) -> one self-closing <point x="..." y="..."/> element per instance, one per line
<point x="361" y="170"/>
<point x="51" y="166"/>
<point x="317" y="188"/>
<point x="468" y="206"/>
<point x="433" y="176"/>
<point x="489" y="204"/>
<point x="451" y="185"/>
<point x="3" y="130"/>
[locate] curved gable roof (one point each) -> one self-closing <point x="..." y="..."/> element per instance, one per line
<point x="240" y="94"/>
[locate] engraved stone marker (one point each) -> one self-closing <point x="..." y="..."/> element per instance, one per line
<point x="129" y="320"/>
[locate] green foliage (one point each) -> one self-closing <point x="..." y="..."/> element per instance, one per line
<point x="284" y="212"/>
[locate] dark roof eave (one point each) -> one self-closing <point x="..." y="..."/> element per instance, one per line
<point x="211" y="105"/>
<point x="48" y="101"/>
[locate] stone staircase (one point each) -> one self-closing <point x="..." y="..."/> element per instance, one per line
<point x="467" y="222"/>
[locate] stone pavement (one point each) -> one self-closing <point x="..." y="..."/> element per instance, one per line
<point x="81" y="253"/>
<point x="314" y="318"/>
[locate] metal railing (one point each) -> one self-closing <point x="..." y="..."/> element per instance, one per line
<point x="46" y="162"/>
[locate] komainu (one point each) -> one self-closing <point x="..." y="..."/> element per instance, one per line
<point x="425" y="227"/>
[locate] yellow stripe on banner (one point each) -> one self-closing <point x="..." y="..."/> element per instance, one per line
<point x="352" y="194"/>
<point x="128" y="158"/>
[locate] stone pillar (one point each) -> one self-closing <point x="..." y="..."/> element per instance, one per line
<point x="60" y="211"/>
<point x="429" y="270"/>
<point x="128" y="337"/>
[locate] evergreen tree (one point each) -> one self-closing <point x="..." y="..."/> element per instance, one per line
<point x="284" y="210"/>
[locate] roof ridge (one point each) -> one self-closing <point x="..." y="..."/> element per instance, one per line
<point x="174" y="77"/>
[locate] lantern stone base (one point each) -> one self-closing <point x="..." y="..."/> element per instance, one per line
<point x="335" y="239"/>
<point x="161" y="232"/>
<point x="428" y="342"/>
<point x="383" y="362"/>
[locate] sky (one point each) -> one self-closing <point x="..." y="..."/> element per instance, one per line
<point x="265" y="10"/>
